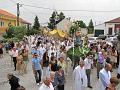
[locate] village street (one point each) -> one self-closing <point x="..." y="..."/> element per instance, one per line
<point x="28" y="80"/>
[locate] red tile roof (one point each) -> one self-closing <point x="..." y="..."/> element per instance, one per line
<point x="116" y="20"/>
<point x="3" y="12"/>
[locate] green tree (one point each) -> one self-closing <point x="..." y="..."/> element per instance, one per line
<point x="9" y="32"/>
<point x="73" y="29"/>
<point x="61" y="16"/>
<point x="90" y="27"/>
<point x="77" y="24"/>
<point x="80" y="24"/>
<point x="55" y="19"/>
<point x="20" y="32"/>
<point x="36" y="23"/>
<point x="32" y="32"/>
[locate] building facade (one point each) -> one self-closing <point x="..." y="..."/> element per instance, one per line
<point x="7" y="19"/>
<point x="64" y="25"/>
<point x="111" y="27"/>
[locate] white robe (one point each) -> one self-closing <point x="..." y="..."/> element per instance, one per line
<point x="79" y="73"/>
<point x="104" y="79"/>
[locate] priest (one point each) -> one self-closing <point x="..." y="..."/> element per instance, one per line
<point x="79" y="76"/>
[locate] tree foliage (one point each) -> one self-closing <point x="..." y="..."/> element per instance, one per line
<point x="61" y="16"/>
<point x="90" y="27"/>
<point x="32" y="32"/>
<point x="80" y="24"/>
<point x="36" y="23"/>
<point x="73" y="29"/>
<point x="20" y="32"/>
<point x="9" y="32"/>
<point x="76" y="26"/>
<point x="55" y="19"/>
<point x="15" y="32"/>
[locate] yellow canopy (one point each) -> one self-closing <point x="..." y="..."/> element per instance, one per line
<point x="45" y="31"/>
<point x="57" y="33"/>
<point x="53" y="32"/>
<point x="61" y="33"/>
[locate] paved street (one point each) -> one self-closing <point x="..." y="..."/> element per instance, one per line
<point x="28" y="80"/>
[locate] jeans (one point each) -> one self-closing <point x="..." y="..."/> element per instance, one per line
<point x="99" y="67"/>
<point x="88" y="72"/>
<point x="38" y="76"/>
<point x="15" y="62"/>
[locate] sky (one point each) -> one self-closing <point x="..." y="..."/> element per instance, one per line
<point x="99" y="11"/>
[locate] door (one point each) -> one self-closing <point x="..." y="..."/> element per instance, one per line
<point x="110" y="31"/>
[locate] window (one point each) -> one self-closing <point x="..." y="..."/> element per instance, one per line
<point x="1" y="23"/>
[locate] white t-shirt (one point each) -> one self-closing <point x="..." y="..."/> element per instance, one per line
<point x="14" y="53"/>
<point x="87" y="63"/>
<point x="44" y="87"/>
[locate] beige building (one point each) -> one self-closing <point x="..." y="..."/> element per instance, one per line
<point x="64" y="25"/>
<point x="7" y="18"/>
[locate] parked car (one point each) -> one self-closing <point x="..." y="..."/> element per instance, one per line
<point x="112" y="40"/>
<point x="110" y="36"/>
<point x="102" y="37"/>
<point x="92" y="39"/>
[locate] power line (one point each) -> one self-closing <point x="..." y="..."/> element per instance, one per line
<point x="33" y="13"/>
<point x="71" y="9"/>
<point x="68" y="10"/>
<point x="37" y="7"/>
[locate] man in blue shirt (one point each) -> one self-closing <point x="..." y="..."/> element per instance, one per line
<point x="36" y="65"/>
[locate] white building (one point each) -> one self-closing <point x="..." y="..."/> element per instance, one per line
<point x="100" y="29"/>
<point x="111" y="27"/>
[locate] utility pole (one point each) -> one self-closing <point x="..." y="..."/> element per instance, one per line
<point x="18" y="13"/>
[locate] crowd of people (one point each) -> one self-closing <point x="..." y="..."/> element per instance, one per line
<point x="50" y="63"/>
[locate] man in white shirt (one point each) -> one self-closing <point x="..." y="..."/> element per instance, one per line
<point x="51" y="51"/>
<point x="105" y="76"/>
<point x="88" y="63"/>
<point x="79" y="76"/>
<point x="47" y="85"/>
<point x="42" y="51"/>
